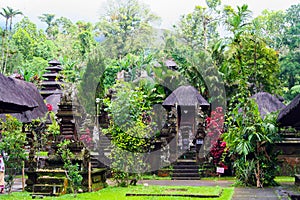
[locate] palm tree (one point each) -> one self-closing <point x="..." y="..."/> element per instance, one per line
<point x="13" y="13"/>
<point x="8" y="13"/>
<point x="49" y="20"/>
<point x="5" y="13"/>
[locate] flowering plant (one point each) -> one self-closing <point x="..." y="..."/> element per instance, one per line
<point x="217" y="152"/>
<point x="214" y="128"/>
<point x="214" y="123"/>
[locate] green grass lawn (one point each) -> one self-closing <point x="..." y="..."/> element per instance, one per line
<point x="118" y="193"/>
<point x="155" y="177"/>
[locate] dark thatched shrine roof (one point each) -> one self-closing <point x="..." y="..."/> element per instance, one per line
<point x="290" y="115"/>
<point x="14" y="97"/>
<point x="31" y="93"/>
<point x="185" y="96"/>
<point x="267" y="103"/>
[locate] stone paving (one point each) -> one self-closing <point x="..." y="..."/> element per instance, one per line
<point x="255" y="193"/>
<point x="17" y="186"/>
<point x="187" y="182"/>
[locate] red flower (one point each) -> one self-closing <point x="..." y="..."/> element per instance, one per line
<point x="49" y="106"/>
<point x="208" y="119"/>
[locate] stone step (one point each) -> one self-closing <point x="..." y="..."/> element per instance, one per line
<point x="185" y="170"/>
<point x="185" y="167"/>
<point x="193" y="174"/>
<point x="186" y="162"/>
<point x="50" y="179"/>
<point x="182" y="164"/>
<point x="186" y="178"/>
<point x="47" y="188"/>
<point x="41" y="195"/>
<point x="188" y="157"/>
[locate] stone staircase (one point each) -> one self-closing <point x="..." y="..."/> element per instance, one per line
<point x="105" y="144"/>
<point x="186" y="167"/>
<point x="105" y="148"/>
<point x="185" y="170"/>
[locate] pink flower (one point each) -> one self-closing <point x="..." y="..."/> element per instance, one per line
<point x="223" y="144"/>
<point x="213" y="113"/>
<point x="219" y="109"/>
<point x="210" y="134"/>
<point x="214" y="124"/>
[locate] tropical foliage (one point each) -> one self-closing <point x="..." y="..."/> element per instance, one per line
<point x="131" y="131"/>
<point x="227" y="67"/>
<point x="12" y="144"/>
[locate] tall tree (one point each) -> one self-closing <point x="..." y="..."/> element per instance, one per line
<point x="65" y="25"/>
<point x="91" y="81"/>
<point x="126" y="26"/>
<point x="31" y="46"/>
<point x="292" y="32"/>
<point x="290" y="58"/>
<point x="196" y="33"/>
<point x="246" y="57"/>
<point x="13" y="13"/>
<point x="271" y="25"/>
<point x="86" y="38"/>
<point x="199" y="28"/>
<point x="8" y="13"/>
<point x="249" y="66"/>
<point x="51" y="29"/>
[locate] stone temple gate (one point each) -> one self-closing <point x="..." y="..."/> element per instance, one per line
<point x="186" y="107"/>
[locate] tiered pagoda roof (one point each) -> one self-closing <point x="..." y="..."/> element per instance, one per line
<point x="53" y="80"/>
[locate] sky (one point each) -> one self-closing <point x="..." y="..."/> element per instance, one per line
<point x="90" y="10"/>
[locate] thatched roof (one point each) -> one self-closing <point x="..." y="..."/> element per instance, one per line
<point x="32" y="93"/>
<point x="171" y="64"/>
<point x="13" y="96"/>
<point x="290" y="115"/>
<point x="267" y="103"/>
<point x="185" y="96"/>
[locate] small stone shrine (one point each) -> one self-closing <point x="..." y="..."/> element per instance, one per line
<point x="46" y="177"/>
<point x="185" y="107"/>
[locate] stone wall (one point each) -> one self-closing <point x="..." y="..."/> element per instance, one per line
<point x="289" y="157"/>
